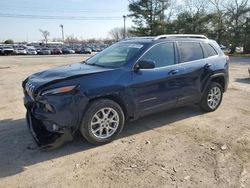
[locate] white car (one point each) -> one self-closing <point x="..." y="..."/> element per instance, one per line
<point x="31" y="51"/>
<point x="20" y="51"/>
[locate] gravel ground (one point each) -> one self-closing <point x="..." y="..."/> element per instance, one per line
<point x="183" y="147"/>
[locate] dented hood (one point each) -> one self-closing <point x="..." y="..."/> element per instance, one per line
<point x="56" y="74"/>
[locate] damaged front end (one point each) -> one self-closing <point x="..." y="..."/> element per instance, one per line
<point x="44" y="138"/>
<point x="53" y="118"/>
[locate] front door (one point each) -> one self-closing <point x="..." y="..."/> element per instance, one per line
<point x="160" y="86"/>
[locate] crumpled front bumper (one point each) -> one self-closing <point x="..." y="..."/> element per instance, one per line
<point x="44" y="138"/>
<point x="66" y="116"/>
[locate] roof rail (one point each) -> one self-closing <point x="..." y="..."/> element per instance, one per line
<point x="132" y="38"/>
<point x="180" y="36"/>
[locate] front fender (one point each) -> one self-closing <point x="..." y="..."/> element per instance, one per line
<point x="119" y="94"/>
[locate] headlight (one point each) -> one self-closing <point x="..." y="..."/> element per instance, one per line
<point x="59" y="90"/>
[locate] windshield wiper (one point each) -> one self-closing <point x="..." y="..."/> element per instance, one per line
<point x="94" y="64"/>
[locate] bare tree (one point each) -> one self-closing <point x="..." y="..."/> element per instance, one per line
<point x="45" y="35"/>
<point x="219" y="14"/>
<point x="193" y="6"/>
<point x="193" y="17"/>
<point x="237" y="11"/>
<point x="172" y="11"/>
<point x="118" y="33"/>
<point x="71" y="39"/>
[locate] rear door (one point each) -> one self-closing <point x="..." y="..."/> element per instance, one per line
<point x="191" y="58"/>
<point x="160" y="86"/>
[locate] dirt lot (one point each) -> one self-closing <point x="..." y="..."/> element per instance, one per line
<point x="178" y="148"/>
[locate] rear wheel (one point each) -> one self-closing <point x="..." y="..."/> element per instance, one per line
<point x="212" y="98"/>
<point x="102" y="122"/>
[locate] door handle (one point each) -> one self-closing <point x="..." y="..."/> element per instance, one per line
<point x="173" y="72"/>
<point x="207" y="66"/>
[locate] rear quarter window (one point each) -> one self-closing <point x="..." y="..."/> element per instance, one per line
<point x="190" y="51"/>
<point x="210" y="51"/>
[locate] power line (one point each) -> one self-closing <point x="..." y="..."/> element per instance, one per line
<point x="29" y="16"/>
<point x="59" y="10"/>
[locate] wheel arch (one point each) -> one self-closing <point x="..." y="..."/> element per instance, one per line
<point x="220" y="79"/>
<point x="119" y="100"/>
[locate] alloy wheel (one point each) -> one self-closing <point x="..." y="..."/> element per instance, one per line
<point x="104" y="123"/>
<point x="214" y="97"/>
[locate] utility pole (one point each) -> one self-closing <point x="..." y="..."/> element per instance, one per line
<point x="124" y="29"/>
<point x="62" y="32"/>
<point x="162" y="11"/>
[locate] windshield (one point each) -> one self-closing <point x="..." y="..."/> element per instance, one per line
<point x="116" y="55"/>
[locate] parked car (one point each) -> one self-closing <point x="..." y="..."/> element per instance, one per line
<point x="1" y="50"/>
<point x="7" y="50"/>
<point x="31" y="51"/>
<point x="77" y="50"/>
<point x="126" y="81"/>
<point x="38" y="50"/>
<point x="20" y="51"/>
<point x="86" y="51"/>
<point x="67" y="51"/>
<point x="45" y="51"/>
<point x="95" y="49"/>
<point x="56" y="51"/>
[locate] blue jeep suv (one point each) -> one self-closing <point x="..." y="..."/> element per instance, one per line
<point x="128" y="80"/>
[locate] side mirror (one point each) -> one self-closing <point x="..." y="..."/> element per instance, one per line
<point x="145" y="64"/>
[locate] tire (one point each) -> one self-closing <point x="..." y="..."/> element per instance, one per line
<point x="111" y="118"/>
<point x="210" y="102"/>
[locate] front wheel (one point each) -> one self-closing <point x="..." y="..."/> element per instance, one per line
<point x="212" y="98"/>
<point x="102" y="122"/>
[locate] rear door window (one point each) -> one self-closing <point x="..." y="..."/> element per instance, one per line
<point x="190" y="51"/>
<point x="210" y="51"/>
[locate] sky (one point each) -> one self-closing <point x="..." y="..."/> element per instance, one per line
<point x="82" y="18"/>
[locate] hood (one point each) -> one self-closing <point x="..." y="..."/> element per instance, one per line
<point x="60" y="73"/>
